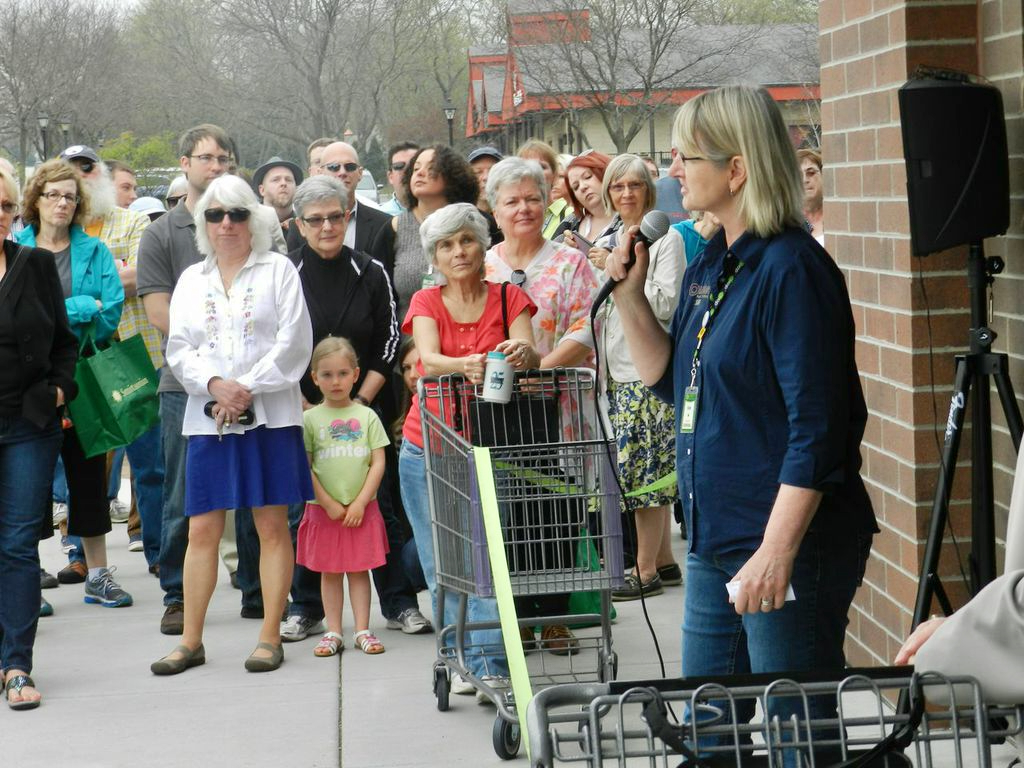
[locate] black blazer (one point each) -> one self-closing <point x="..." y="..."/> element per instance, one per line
<point x="368" y="223"/>
<point x="47" y="348"/>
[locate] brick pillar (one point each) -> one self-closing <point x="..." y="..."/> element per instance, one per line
<point x="868" y="48"/>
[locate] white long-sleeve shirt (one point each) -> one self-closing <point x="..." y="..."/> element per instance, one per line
<point x="259" y="334"/>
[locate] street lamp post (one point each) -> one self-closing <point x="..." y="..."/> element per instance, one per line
<point x="65" y="129"/>
<point x="44" y="123"/>
<point x="449" y="115"/>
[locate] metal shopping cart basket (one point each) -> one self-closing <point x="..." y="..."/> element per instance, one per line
<point x="558" y="502"/>
<point x="692" y="722"/>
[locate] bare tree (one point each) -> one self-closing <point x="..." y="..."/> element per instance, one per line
<point x="624" y="59"/>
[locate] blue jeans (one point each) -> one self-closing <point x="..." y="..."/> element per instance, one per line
<point x="806" y="634"/>
<point x="60" y="494"/>
<point x="27" y="458"/>
<point x="391" y="580"/>
<point x="173" y="523"/>
<point x="145" y="457"/>
<point x="306" y="599"/>
<point x="114" y="481"/>
<point x="248" y="573"/>
<point x="60" y="483"/>
<point x="413" y="473"/>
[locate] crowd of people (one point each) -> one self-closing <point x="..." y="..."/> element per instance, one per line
<point x="289" y="320"/>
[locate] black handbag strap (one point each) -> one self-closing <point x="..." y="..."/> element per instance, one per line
<point x="504" y="307"/>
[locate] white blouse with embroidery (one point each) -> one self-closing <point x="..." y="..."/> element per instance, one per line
<point x="258" y="333"/>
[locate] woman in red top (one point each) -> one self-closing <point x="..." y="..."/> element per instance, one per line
<point x="454" y="327"/>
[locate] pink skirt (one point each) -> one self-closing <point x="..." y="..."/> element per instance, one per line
<point x="327" y="546"/>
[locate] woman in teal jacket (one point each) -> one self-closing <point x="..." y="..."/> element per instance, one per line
<point x="55" y="207"/>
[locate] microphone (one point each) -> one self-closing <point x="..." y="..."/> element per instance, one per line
<point x="653" y="227"/>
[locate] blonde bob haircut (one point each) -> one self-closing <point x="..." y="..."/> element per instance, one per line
<point x="744" y="120"/>
<point x="330" y="345"/>
<point x="627" y="165"/>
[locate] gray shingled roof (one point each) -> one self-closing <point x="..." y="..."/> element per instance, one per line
<point x="782" y="54"/>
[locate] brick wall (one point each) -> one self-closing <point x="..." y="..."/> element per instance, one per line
<point x="903" y="304"/>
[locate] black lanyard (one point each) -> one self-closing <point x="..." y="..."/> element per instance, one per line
<point x="730" y="268"/>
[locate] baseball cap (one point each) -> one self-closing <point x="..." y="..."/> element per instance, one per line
<point x="79" y="151"/>
<point x="488" y="151"/>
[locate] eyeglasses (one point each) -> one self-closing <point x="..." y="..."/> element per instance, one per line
<point x="236" y="215"/>
<point x="518" y="278"/>
<point x="334" y="219"/>
<point x="85" y="166"/>
<point x="55" y="197"/>
<point x="398" y="166"/>
<point x="684" y="158"/>
<point x="335" y="167"/>
<point x="173" y="201"/>
<point x="207" y="159"/>
<point x="632" y="186"/>
<point x="9" y="208"/>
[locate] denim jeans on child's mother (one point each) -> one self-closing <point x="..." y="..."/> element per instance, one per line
<point x="412" y="470"/>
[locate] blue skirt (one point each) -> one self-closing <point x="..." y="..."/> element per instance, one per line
<point x="259" y="468"/>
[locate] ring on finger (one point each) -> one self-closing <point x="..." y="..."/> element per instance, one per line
<point x="766" y="602"/>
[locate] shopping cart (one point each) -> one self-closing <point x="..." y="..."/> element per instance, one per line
<point x="558" y="503"/>
<point x="638" y="724"/>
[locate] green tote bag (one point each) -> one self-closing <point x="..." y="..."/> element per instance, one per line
<point x="117" y="401"/>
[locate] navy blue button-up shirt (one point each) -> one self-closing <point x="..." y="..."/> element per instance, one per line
<point x="779" y="396"/>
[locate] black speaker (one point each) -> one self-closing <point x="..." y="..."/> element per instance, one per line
<point x="954" y="143"/>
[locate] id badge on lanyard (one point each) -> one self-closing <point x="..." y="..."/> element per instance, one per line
<point x="688" y="419"/>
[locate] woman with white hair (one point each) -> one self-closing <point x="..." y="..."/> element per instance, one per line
<point x="239" y="341"/>
<point x="759" y="362"/>
<point x="454" y="326"/>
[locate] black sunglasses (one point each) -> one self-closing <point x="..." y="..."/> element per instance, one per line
<point x="518" y="278"/>
<point x="85" y="166"/>
<point x="398" y="166"/>
<point x="173" y="201"/>
<point x="335" y="167"/>
<point x="216" y="215"/>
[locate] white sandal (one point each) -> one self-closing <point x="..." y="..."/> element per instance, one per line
<point x="367" y="642"/>
<point x="330" y="644"/>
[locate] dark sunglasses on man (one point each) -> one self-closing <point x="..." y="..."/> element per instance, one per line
<point x="335" y="167"/>
<point x="236" y="215"/>
<point x="85" y="166"/>
<point x="399" y="166"/>
<point x="173" y="201"/>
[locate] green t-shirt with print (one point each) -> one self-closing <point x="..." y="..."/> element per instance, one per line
<point x="341" y="441"/>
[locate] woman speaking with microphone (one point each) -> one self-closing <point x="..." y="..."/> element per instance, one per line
<point x="759" y="363"/>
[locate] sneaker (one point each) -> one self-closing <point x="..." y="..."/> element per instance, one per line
<point x="461" y="686"/>
<point x="412" y="622"/>
<point x="45" y="609"/>
<point x="135" y="543"/>
<point x="74" y="573"/>
<point x="633" y="588"/>
<point x="559" y="640"/>
<point x="119" y="511"/>
<point x="297" y="627"/>
<point x="495" y="682"/>
<point x="47" y="580"/>
<point x="671" y="574"/>
<point x="105" y="591"/>
<point x="60" y="513"/>
<point x="173" y="621"/>
<point x="66" y="546"/>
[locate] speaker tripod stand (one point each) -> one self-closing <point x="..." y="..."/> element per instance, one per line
<point x="973" y="372"/>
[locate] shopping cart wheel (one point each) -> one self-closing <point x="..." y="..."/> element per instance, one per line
<point x="506" y="737"/>
<point x="441" y="687"/>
